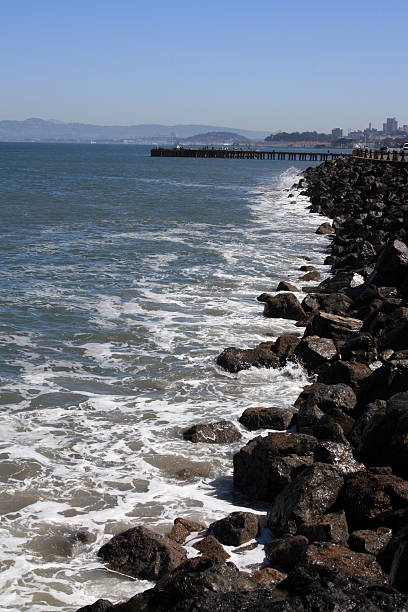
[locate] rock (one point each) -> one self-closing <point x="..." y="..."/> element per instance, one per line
<point x="266" y="418"/>
<point x="336" y="327"/>
<point x="399" y="567"/>
<point x="285" y="345"/>
<point x="384" y="382"/>
<point x="284" y="306"/>
<point x="102" y="605"/>
<point x="360" y="348"/>
<point x="369" y="433"/>
<point x="222" y="432"/>
<point x="392" y="265"/>
<point x="329" y="432"/>
<point x="328" y="397"/>
<point x="190" y="525"/>
<point x="268" y="577"/>
<point x="285" y="286"/>
<point x="349" y="373"/>
<point x="337" y="557"/>
<point x="285" y="552"/>
<point x="266" y="464"/>
<point x="335" y="415"/>
<point x="306" y="498"/>
<point x="178" y="533"/>
<point x="370" y="541"/>
<point x="211" y="548"/>
<point x="141" y="553"/>
<point x="236" y="529"/>
<point x="325" y="228"/>
<point x="311" y="276"/>
<point x="369" y="498"/>
<point x="308" y="417"/>
<point x="334" y="303"/>
<point x="339" y="455"/>
<point x="329" y="528"/>
<point x="314" y="351"/>
<point x="235" y="359"/>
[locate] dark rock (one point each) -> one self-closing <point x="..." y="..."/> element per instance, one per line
<point x="308" y="417"/>
<point x="235" y="359"/>
<point x="266" y="418"/>
<point x="266" y="464"/>
<point x="285" y="286"/>
<point x="284" y="306"/>
<point x="329" y="528"/>
<point x="339" y="455"/>
<point x="236" y="529"/>
<point x="311" y="276"/>
<point x="267" y="577"/>
<point x="102" y="605"/>
<point x="370" y="541"/>
<point x="285" y="552"/>
<point x="330" y="432"/>
<point x="349" y="373"/>
<point x="336" y="327"/>
<point x="190" y="525"/>
<point x="338" y="416"/>
<point x="307" y="498"/>
<point x="399" y="567"/>
<point x="313" y="351"/>
<point x="285" y="345"/>
<point x="178" y="533"/>
<point x="222" y="432"/>
<point x="327" y="397"/>
<point x="333" y="303"/>
<point x="384" y="382"/>
<point x="141" y="553"/>
<point x="325" y="228"/>
<point x="211" y="548"/>
<point x="361" y="348"/>
<point x="392" y="265"/>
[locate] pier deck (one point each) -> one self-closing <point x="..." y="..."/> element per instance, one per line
<point x="246" y="154"/>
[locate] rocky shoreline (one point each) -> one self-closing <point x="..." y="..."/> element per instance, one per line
<point x="337" y="481"/>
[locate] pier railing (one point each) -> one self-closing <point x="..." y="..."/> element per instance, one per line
<point x="246" y="154"/>
<point x="393" y="156"/>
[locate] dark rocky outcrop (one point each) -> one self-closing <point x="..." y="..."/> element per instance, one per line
<point x="222" y="432"/>
<point x="267" y="418"/>
<point x="236" y="529"/>
<point x="283" y="306"/>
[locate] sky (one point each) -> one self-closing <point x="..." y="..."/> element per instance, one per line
<point x="267" y="65"/>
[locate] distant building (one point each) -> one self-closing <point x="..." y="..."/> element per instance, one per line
<point x="337" y="133"/>
<point x="390" y="126"/>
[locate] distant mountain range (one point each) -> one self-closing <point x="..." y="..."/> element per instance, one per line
<point x="218" y="138"/>
<point x="35" y="129"/>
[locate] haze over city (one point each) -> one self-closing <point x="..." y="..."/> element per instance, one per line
<point x="259" y="66"/>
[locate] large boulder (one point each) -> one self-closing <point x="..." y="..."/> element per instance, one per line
<point x="284" y="306"/>
<point x="266" y="464"/>
<point x="236" y="529"/>
<point x="392" y="265"/>
<point x="313" y="352"/>
<point x="235" y="359"/>
<point x="141" y="553"/>
<point x="285" y="552"/>
<point x="336" y="327"/>
<point x="222" y="432"/>
<point x="328" y="397"/>
<point x="310" y="495"/>
<point x="266" y="418"/>
<point x="330" y="527"/>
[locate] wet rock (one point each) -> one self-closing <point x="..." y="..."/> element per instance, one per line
<point x="399" y="567"/>
<point x="392" y="265"/>
<point x="306" y="498"/>
<point x="190" y="525"/>
<point x="311" y="276"/>
<point x="369" y="433"/>
<point x="338" y="416"/>
<point x="308" y="418"/>
<point x="370" y="541"/>
<point x="285" y="286"/>
<point x="102" y="605"/>
<point x="328" y="397"/>
<point x="222" y="432"/>
<point x="334" y="303"/>
<point x="325" y="228"/>
<point x="369" y="498"/>
<point x="235" y="359"/>
<point x="284" y="306"/>
<point x="285" y="345"/>
<point x="236" y="529"/>
<point x="337" y="557"/>
<point x="361" y="349"/>
<point x="329" y="432"/>
<point x="314" y="351"/>
<point x="336" y="327"/>
<point x="211" y="548"/>
<point x="384" y="382"/>
<point x="141" y="553"/>
<point x="267" y="463"/>
<point x="178" y="533"/>
<point x="349" y="373"/>
<point x="339" y="455"/>
<point x="267" y="577"/>
<point x="329" y="528"/>
<point x="285" y="552"/>
<point x="266" y="418"/>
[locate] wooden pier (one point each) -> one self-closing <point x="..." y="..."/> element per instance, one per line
<point x="246" y="154"/>
<point x="390" y="156"/>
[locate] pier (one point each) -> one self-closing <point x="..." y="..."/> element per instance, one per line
<point x="390" y="156"/>
<point x="246" y="154"/>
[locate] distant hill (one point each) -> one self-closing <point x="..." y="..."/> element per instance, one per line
<point x="298" y="137"/>
<point x="216" y="138"/>
<point x="35" y="129"/>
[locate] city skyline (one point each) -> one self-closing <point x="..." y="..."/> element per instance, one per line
<point x="261" y="67"/>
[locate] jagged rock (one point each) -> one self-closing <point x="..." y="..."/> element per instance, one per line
<point x="308" y="417"/>
<point x="266" y="464"/>
<point x="392" y="265"/>
<point x="327" y="397"/>
<point x="141" y="553"/>
<point x="306" y="498"/>
<point x="311" y="276"/>
<point x="384" y="382"/>
<point x="267" y="577"/>
<point x="314" y="351"/>
<point x="329" y="528"/>
<point x="334" y="303"/>
<point x="285" y="552"/>
<point x="349" y="373"/>
<point x="338" y="416"/>
<point x="178" y="533"/>
<point x="235" y="359"/>
<point x="370" y="541"/>
<point x="211" y="548"/>
<point x="325" y="228"/>
<point x="190" y="525"/>
<point x="102" y="605"/>
<point x="284" y="306"/>
<point x="361" y="348"/>
<point x="285" y="286"/>
<point x="336" y="327"/>
<point x="329" y="432"/>
<point x="285" y="345"/>
<point x="339" y="455"/>
<point x="236" y="529"/>
<point x="266" y="418"/>
<point x="222" y="432"/>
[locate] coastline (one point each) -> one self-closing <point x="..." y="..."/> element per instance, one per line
<point x="343" y="472"/>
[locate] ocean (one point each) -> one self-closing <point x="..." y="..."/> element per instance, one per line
<point x="122" y="278"/>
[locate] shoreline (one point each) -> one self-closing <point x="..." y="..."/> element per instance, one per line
<point x="337" y="487"/>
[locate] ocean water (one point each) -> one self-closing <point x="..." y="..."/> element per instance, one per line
<point x="122" y="278"/>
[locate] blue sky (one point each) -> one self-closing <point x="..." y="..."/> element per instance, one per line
<point x="260" y="65"/>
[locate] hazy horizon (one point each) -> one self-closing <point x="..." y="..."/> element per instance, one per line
<point x="263" y="66"/>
